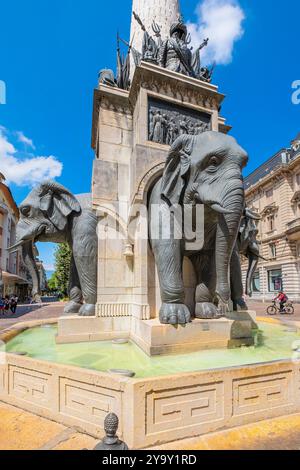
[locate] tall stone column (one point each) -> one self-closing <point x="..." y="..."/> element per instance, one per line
<point x="163" y="12"/>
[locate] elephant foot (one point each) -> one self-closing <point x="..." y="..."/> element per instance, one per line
<point x="72" y="308"/>
<point x="240" y="305"/>
<point x="206" y="311"/>
<point x="174" y="314"/>
<point x="87" y="310"/>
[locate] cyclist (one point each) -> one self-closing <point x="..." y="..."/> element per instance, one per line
<point x="282" y="299"/>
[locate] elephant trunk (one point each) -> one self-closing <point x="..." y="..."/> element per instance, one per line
<point x="227" y="231"/>
<point x="29" y="260"/>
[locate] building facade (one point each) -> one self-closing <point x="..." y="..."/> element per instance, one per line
<point x="273" y="191"/>
<point x="13" y="272"/>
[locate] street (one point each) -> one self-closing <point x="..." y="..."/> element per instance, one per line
<point x="25" y="313"/>
<point x="53" y="310"/>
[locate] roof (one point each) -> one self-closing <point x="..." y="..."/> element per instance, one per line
<point x="297" y="138"/>
<point x="265" y="169"/>
<point x="8" y="195"/>
<point x="13" y="278"/>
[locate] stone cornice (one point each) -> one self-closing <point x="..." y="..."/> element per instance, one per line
<point x="296" y="197"/>
<point x="281" y="172"/>
<point x="111" y="98"/>
<point x="269" y="210"/>
<point x="174" y="85"/>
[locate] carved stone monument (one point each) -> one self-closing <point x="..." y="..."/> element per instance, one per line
<point x="155" y="12"/>
<point x="136" y="135"/>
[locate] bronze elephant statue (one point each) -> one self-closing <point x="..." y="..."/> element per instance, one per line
<point x="51" y="213"/>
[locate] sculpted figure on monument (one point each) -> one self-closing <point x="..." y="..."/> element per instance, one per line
<point x="174" y="53"/>
<point x="150" y="47"/>
<point x="165" y="125"/>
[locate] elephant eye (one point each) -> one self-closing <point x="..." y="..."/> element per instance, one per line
<point x="25" y="211"/>
<point x="214" y="161"/>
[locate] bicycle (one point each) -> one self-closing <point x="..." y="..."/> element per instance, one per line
<point x="288" y="309"/>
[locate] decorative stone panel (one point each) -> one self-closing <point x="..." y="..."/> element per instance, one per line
<point x="86" y="401"/>
<point x="254" y="394"/>
<point x="175" y="409"/>
<point x="30" y="385"/>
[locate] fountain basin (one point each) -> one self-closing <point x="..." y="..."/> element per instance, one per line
<point x="171" y="397"/>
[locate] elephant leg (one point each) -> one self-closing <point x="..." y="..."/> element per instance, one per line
<point x="237" y="290"/>
<point x="204" y="297"/>
<point x="87" y="273"/>
<point x="75" y="292"/>
<point x="168" y="257"/>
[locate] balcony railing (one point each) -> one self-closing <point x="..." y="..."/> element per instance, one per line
<point x="294" y="224"/>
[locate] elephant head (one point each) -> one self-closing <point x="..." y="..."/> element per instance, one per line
<point x="207" y="169"/>
<point x="44" y="216"/>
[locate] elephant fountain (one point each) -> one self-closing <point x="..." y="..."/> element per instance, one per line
<point x="50" y="213"/>
<point x="204" y="169"/>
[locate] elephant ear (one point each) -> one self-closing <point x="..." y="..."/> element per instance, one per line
<point x="58" y="203"/>
<point x="176" y="169"/>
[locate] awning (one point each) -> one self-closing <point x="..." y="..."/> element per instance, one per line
<point x="8" y="277"/>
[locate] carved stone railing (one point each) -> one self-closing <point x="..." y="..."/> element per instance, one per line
<point x="293" y="227"/>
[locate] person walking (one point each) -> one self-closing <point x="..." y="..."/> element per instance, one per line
<point x="13" y="305"/>
<point x="2" y="306"/>
<point x="6" y="304"/>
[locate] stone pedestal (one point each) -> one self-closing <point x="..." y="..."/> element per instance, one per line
<point x="126" y="167"/>
<point x="157" y="339"/>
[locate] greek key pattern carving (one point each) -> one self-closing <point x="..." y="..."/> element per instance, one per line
<point x="261" y="393"/>
<point x="30" y="385"/>
<point x="184" y="407"/>
<point x="87" y="402"/>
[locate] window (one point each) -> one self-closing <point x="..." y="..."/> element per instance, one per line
<point x="275" y="280"/>
<point x="256" y="282"/>
<point x="272" y="250"/>
<point x="298" y="179"/>
<point x="269" y="193"/>
<point x="271" y="223"/>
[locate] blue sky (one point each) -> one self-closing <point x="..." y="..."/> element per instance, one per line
<point x="52" y="50"/>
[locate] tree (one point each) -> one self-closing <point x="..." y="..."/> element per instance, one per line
<point x="52" y="283"/>
<point x="63" y="257"/>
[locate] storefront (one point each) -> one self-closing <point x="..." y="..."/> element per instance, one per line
<point x="275" y="281"/>
<point x="14" y="285"/>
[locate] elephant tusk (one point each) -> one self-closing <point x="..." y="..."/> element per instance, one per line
<point x="221" y="210"/>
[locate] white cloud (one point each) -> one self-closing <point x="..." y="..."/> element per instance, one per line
<point x="222" y="22"/>
<point x="25" y="170"/>
<point x="25" y="140"/>
<point x="49" y="267"/>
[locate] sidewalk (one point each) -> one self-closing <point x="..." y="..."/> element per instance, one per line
<point x="32" y="312"/>
<point x="18" y="431"/>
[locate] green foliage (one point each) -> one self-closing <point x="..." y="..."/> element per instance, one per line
<point x="52" y="283"/>
<point x="63" y="257"/>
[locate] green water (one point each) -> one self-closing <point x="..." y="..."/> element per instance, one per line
<point x="273" y="342"/>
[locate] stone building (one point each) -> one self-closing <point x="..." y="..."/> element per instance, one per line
<point x="14" y="277"/>
<point x="273" y="190"/>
